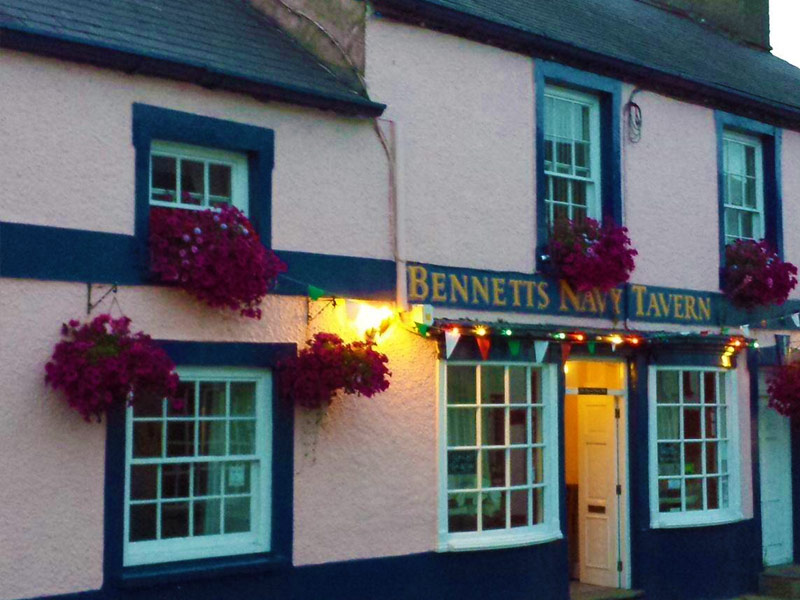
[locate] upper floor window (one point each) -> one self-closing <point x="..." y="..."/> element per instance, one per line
<point x="743" y="192"/>
<point x="572" y="155"/>
<point x="694" y="446"/>
<point x="191" y="177"/>
<point x="499" y="452"/>
<point x="198" y="479"/>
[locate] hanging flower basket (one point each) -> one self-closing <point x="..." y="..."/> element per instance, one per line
<point x="101" y="364"/>
<point x="590" y="256"/>
<point x="215" y="255"/>
<point x="754" y="275"/>
<point x="327" y="365"/>
<point x="783" y="388"/>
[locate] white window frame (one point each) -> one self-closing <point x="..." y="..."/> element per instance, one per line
<point x="550" y="528"/>
<point x="190" y="548"/>
<point x="594" y="182"/>
<point x="697" y="518"/>
<point x="237" y="162"/>
<point x="755" y="143"/>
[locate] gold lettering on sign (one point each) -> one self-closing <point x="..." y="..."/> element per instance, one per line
<point x="437" y="283"/>
<point x="417" y="284"/>
<point x="544" y="297"/>
<point x="458" y="285"/>
<point x="616" y="298"/>
<point x="515" y="283"/>
<point x="498" y="291"/>
<point x="639" y="290"/>
<point x="704" y="305"/>
<point x="568" y="294"/>
<point x="480" y="286"/>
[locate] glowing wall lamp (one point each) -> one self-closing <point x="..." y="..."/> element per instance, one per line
<point x="372" y="322"/>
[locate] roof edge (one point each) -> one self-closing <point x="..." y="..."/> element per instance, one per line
<point x="479" y="29"/>
<point x="133" y="63"/>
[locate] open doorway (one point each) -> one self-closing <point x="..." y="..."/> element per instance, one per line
<point x="595" y="454"/>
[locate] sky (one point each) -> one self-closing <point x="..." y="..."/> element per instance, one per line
<point x="784" y="25"/>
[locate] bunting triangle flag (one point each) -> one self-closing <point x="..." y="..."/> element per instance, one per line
<point x="422" y="328"/>
<point x="484" y="345"/>
<point x="745" y="330"/>
<point x="540" y="349"/>
<point x="796" y="319"/>
<point x="565" y="350"/>
<point x="315" y="293"/>
<point x="592" y="346"/>
<point x="514" y="347"/>
<point x="451" y="338"/>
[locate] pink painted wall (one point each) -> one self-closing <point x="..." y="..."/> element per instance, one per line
<point x="791" y="198"/>
<point x="670" y="194"/>
<point x="68" y="156"/>
<point x="465" y="121"/>
<point x="365" y="479"/>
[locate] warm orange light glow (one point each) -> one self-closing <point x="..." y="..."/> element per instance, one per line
<point x="481" y="331"/>
<point x="454" y="330"/>
<point x="737" y="343"/>
<point x="615" y="339"/>
<point x="634" y="341"/>
<point x="579" y="337"/>
<point x="373" y="321"/>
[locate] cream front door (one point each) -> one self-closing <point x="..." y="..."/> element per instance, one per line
<point x="775" y="463"/>
<point x="598" y="507"/>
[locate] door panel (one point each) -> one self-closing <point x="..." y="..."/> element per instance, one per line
<point x="776" y="485"/>
<point x="597" y="499"/>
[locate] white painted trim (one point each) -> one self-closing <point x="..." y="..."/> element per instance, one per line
<point x="697" y="518"/>
<point x="240" y="191"/>
<point x="550" y="528"/>
<point x="188" y="548"/>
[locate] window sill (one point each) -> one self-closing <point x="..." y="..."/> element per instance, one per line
<point x="495" y="542"/>
<point x="685" y="521"/>
<point x="192" y="570"/>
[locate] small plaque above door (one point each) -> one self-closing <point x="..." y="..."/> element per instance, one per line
<point x="592" y="391"/>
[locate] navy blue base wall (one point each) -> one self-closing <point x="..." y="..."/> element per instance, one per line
<point x="706" y="563"/>
<point x="516" y="574"/>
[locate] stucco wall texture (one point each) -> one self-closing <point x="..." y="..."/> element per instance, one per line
<point x="68" y="158"/>
<point x="365" y="481"/>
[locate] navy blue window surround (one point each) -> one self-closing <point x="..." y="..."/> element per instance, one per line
<point x="206" y="354"/>
<point x="153" y="123"/>
<point x="770" y="138"/>
<point x="608" y="92"/>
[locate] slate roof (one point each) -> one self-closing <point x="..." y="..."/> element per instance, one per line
<point x="632" y="33"/>
<point x="217" y="43"/>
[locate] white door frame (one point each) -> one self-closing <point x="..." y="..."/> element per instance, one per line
<point x="621" y="398"/>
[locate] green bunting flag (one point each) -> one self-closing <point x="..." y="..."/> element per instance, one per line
<point x="315" y="293"/>
<point x="591" y="346"/>
<point x="514" y="347"/>
<point x="422" y="328"/>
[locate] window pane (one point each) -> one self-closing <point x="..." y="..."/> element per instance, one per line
<point x="243" y="396"/>
<point x="750" y="193"/>
<point x="723" y="422"/>
<point x="174" y="519"/>
<point x="691" y="387"/>
<point x="693" y="459"/>
<point x="237" y="478"/>
<point x="211" y="436"/>
<point x="519" y="466"/>
<point x="212" y="399"/>
<point x="243" y="437"/>
<point x="691" y="424"/>
<point x="143" y="522"/>
<point x="144" y="482"/>
<point x="493" y="465"/>
<point x="750" y="160"/>
<point x="732" y="223"/>
<point x="164" y="178"/>
<point x="494" y="510"/>
<point x="461" y="426"/>
<point x="175" y="481"/>
<point x="146" y="439"/>
<point x="712" y="465"/>
<point x="536" y="426"/>
<point x="237" y="515"/>
<point x="185" y="406"/>
<point x="192" y="182"/>
<point x="667" y="387"/>
<point x="537" y="469"/>
<point x="517" y="385"/>
<point x="710" y="387"/>
<point x="148" y="407"/>
<point x="582" y="166"/>
<point x="548" y="155"/>
<point x="207" y="517"/>
<point x="462" y="512"/>
<point x="207" y="478"/>
<point x="538" y="506"/>
<point x="461" y="387"/>
<point x="669" y="459"/>
<point x="669" y="495"/>
<point x="219" y="180"/>
<point x="519" y="508"/>
<point x="579" y="193"/>
<point x="747" y="225"/>
<point x="560" y="189"/>
<point x="492" y="385"/>
<point x="711" y="422"/>
<point x="518" y="424"/>
<point x="462" y="469"/>
<point x="735" y="195"/>
<point x="694" y="494"/>
<point x="494" y="421"/>
<point x="180" y="438"/>
<point x="712" y="492"/>
<point x="669" y="423"/>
